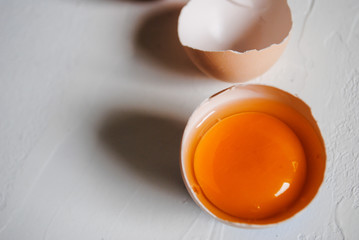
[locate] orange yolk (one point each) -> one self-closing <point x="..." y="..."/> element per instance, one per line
<point x="250" y="165"/>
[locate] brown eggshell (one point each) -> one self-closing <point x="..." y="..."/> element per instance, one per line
<point x="256" y="98"/>
<point x="234" y="41"/>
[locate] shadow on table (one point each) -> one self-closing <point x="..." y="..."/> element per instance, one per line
<point x="148" y="145"/>
<point x="157" y="40"/>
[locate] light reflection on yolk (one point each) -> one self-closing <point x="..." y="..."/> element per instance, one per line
<point x="250" y="165"/>
<point x="283" y="188"/>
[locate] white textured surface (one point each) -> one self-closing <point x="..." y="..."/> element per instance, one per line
<point x="73" y="73"/>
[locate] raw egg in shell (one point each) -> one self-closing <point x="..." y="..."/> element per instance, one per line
<point x="252" y="155"/>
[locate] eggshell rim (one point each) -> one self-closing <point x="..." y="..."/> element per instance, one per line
<point x="230" y="50"/>
<point x="240" y="224"/>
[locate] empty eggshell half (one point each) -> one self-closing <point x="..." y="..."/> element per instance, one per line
<point x="264" y="99"/>
<point x="234" y="40"/>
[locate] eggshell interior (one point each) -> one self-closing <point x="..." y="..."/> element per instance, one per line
<point x="238" y="25"/>
<point x="258" y="98"/>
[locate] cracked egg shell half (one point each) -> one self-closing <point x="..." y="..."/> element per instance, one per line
<point x="252" y="156"/>
<point x="234" y="40"/>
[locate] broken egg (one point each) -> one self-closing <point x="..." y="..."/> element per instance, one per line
<point x="234" y="40"/>
<point x="252" y="156"/>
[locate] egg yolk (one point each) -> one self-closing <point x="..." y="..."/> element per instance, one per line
<point x="250" y="165"/>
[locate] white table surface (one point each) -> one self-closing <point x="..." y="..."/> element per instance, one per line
<point x="94" y="96"/>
